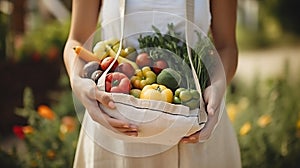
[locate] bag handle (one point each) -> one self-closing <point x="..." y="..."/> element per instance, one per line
<point x="202" y="115"/>
<point x="189" y="16"/>
<point x="101" y="81"/>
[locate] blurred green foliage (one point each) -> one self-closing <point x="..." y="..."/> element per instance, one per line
<point x="9" y="159"/>
<point x="43" y="43"/>
<point x="266" y="117"/>
<point x="51" y="132"/>
<point x="277" y="25"/>
<point x="3" y="33"/>
<point x="285" y="11"/>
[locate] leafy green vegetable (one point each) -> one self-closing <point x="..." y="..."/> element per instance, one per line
<point x="171" y="41"/>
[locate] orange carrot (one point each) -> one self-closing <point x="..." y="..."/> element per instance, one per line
<point x="85" y="54"/>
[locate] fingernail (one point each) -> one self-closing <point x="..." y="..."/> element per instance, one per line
<point x="125" y="126"/>
<point x="133" y="126"/>
<point x="185" y="142"/>
<point x="111" y="104"/>
<point x="192" y="138"/>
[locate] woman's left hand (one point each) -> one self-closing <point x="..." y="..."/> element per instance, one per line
<point x="213" y="97"/>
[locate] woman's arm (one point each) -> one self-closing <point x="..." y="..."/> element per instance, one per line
<point x="223" y="32"/>
<point x="83" y="24"/>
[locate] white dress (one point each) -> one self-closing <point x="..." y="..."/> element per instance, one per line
<point x="220" y="151"/>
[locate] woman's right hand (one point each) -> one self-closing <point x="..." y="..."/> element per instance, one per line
<point x="89" y="95"/>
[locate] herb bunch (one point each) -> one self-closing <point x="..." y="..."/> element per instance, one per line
<point x="172" y="42"/>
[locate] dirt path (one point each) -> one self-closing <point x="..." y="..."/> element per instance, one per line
<point x="268" y="63"/>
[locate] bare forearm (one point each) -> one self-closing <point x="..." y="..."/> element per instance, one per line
<point x="83" y="24"/>
<point x="224" y="14"/>
<point x="72" y="62"/>
<point x="229" y="58"/>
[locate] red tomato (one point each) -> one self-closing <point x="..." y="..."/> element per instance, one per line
<point x="106" y="62"/>
<point x="143" y="60"/>
<point x="159" y="65"/>
<point x="125" y="68"/>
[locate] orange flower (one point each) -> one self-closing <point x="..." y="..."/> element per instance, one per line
<point x="298" y="129"/>
<point x="45" y="112"/>
<point x="264" y="120"/>
<point x="27" y="129"/>
<point x="67" y="124"/>
<point x="50" y="154"/>
<point x="298" y="124"/>
<point x="245" y="128"/>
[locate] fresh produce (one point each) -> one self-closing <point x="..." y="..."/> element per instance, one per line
<point x="117" y="82"/>
<point x="157" y="92"/>
<point x="143" y="77"/>
<point x="188" y="97"/>
<point x="104" y="49"/>
<point x="124" y="51"/>
<point x="85" y="54"/>
<point x="172" y="42"/>
<point x="106" y="62"/>
<point x="170" y="78"/>
<point x="116" y="48"/>
<point x="125" y="68"/>
<point x="96" y="75"/>
<point x="135" y="92"/>
<point x="159" y="65"/>
<point x="123" y="60"/>
<point x="89" y="68"/>
<point x="129" y="50"/>
<point x="101" y="49"/>
<point x="143" y="59"/>
<point x="160" y="71"/>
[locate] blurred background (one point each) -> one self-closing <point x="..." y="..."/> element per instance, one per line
<point x="39" y="127"/>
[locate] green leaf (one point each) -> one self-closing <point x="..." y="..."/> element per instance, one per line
<point x="28" y="99"/>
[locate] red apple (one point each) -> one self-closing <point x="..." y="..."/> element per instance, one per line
<point x="143" y="59"/>
<point x="159" y="65"/>
<point x="126" y="68"/>
<point x="106" y="62"/>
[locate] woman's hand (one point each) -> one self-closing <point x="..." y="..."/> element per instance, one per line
<point x="213" y="97"/>
<point x="88" y="94"/>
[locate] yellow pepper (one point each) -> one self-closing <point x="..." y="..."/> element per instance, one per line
<point x="143" y="77"/>
<point x="157" y="92"/>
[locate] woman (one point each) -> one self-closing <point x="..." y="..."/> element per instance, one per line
<point x="220" y="150"/>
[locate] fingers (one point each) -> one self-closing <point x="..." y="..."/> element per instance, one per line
<point x="90" y="96"/>
<point x="201" y="135"/>
<point x="116" y="125"/>
<point x="123" y="127"/>
<point x="209" y="127"/>
<point x="194" y="138"/>
<point x="210" y="100"/>
<point x="104" y="98"/>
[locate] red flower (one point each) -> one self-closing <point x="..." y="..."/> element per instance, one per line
<point x="36" y="56"/>
<point x="18" y="130"/>
<point x="52" y="53"/>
